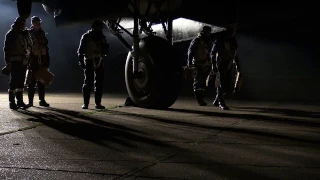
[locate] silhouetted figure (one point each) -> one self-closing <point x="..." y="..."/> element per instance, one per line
<point x="92" y="52"/>
<point x="199" y="57"/>
<point x="39" y="59"/>
<point x="17" y="47"/>
<point x="223" y="54"/>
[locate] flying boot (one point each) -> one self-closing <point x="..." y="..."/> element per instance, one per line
<point x="41" y="93"/>
<point x="222" y="103"/>
<point x="12" y="102"/>
<point x="98" y="96"/>
<point x="31" y="92"/>
<point x="199" y="96"/>
<point x="86" y="97"/>
<point x="20" y="103"/>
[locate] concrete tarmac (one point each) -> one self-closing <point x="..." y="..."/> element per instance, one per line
<point x="256" y="140"/>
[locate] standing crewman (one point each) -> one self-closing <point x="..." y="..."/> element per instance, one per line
<point x="199" y="57"/>
<point x="39" y="59"/>
<point x="92" y="52"/>
<point x="17" y="47"/>
<point x="224" y="53"/>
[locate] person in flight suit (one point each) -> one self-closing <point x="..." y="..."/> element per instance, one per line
<point x="39" y="59"/>
<point x="199" y="57"/>
<point x="224" y="53"/>
<point x="17" y="47"/>
<point x="92" y="52"/>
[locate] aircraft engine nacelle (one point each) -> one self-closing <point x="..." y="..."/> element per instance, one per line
<point x="74" y="12"/>
<point x="24" y="7"/>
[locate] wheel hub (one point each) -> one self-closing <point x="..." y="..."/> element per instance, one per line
<point x="142" y="78"/>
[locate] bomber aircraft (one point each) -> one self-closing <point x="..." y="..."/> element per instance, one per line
<point x="153" y="73"/>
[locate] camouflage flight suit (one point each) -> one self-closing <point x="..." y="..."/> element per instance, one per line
<point x="224" y="54"/>
<point x="92" y="51"/>
<point x="17" y="47"/>
<point x="199" y="55"/>
<point x="39" y="59"/>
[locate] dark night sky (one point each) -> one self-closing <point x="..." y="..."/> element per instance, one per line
<point x="279" y="58"/>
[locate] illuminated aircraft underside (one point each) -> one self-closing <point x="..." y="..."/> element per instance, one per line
<point x="183" y="29"/>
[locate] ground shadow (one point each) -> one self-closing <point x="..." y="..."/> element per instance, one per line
<point x="71" y="122"/>
<point x="282" y="111"/>
<point x="254" y="117"/>
<point x="89" y="128"/>
<point x="259" y="117"/>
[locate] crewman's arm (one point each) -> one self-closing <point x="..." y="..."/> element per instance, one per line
<point x="82" y="45"/>
<point x="236" y="59"/>
<point x="81" y="49"/>
<point x="217" y="46"/>
<point x="192" y="49"/>
<point x="8" y="43"/>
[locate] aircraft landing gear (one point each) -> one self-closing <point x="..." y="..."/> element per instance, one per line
<point x="152" y="70"/>
<point x="24" y="8"/>
<point x="159" y="79"/>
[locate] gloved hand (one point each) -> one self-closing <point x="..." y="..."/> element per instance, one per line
<point x="8" y="65"/>
<point x="81" y="62"/>
<point x="6" y="70"/>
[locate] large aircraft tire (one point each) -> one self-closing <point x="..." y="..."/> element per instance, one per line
<point x="24" y="8"/>
<point x="159" y="84"/>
